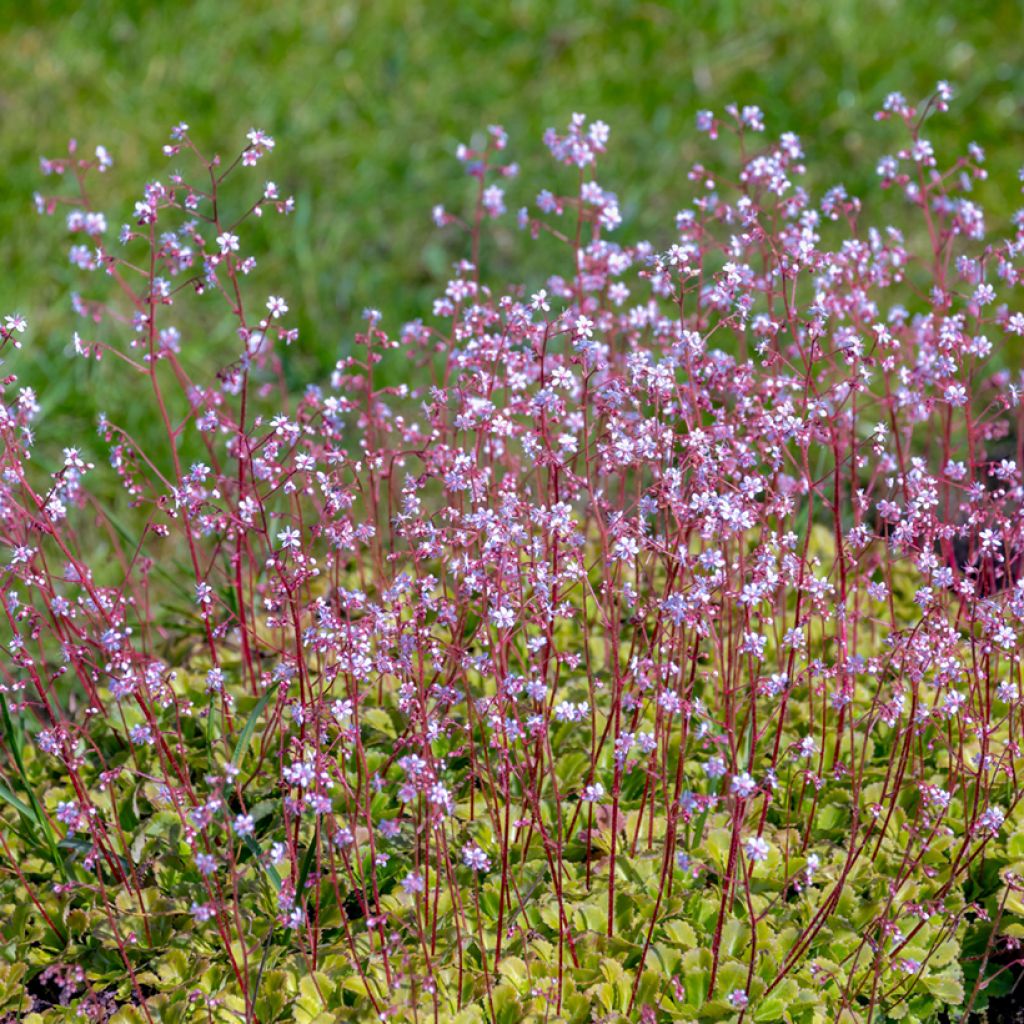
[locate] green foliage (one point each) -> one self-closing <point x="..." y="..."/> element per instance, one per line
<point x="182" y="968"/>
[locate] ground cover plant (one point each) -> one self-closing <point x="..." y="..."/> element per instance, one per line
<point x="639" y="647"/>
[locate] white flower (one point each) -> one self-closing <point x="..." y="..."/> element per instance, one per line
<point x="757" y="848"/>
<point x="743" y="785"/>
<point x="503" y="617"/>
<point x="277" y="306"/>
<point x="475" y="858"/>
<point x="290" y="538"/>
<point x="244" y="825"/>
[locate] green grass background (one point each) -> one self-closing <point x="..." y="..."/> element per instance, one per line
<point x="368" y="100"/>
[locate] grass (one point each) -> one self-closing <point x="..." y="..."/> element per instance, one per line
<point x="367" y="102"/>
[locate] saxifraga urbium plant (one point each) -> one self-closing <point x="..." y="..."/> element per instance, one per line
<point x="650" y="653"/>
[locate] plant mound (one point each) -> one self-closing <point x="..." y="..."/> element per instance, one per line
<point x="642" y="643"/>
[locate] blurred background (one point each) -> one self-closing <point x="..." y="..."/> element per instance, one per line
<point x="367" y="102"/>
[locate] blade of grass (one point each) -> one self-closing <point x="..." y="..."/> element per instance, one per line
<point x="16" y="742"/>
<point x="133" y="545"/>
<point x="244" y="738"/>
<point x="257" y="851"/>
<point x="307" y="863"/>
<point x="19" y="805"/>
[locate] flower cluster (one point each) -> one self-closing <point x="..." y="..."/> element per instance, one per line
<point x="703" y="564"/>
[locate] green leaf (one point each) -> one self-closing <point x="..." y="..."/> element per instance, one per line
<point x="735" y="937"/>
<point x="515" y="971"/>
<point x="307" y="863"/>
<point x="242" y="744"/>
<point x="275" y="993"/>
<point x="20" y="806"/>
<point x="379" y="719"/>
<point x="127" y="1015"/>
<point x="948" y="988"/>
<point x="681" y="934"/>
<point x="15" y="742"/>
<point x="770" y="1010"/>
<point x="257" y="851"/>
